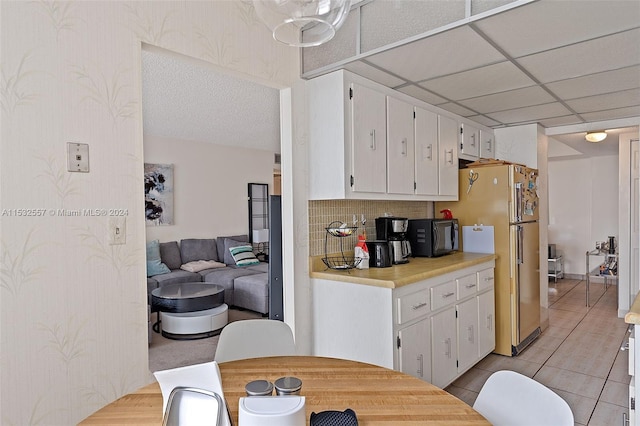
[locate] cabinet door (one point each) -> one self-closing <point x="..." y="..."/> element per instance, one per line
<point x="426" y="128"/>
<point x="469" y="144"/>
<point x="414" y="351"/>
<point x="487" y="145"/>
<point x="443" y="347"/>
<point x="400" y="147"/>
<point x="448" y="156"/>
<point x="486" y="323"/>
<point x="369" y="144"/>
<point x="467" y="334"/>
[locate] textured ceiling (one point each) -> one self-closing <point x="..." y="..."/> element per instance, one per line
<point x="186" y="99"/>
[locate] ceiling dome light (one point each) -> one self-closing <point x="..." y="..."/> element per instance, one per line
<point x="596" y="136"/>
<point x="302" y="23"/>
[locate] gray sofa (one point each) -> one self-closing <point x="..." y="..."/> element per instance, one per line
<point x="252" y="294"/>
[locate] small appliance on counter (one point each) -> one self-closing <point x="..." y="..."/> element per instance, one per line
<point x="394" y="230"/>
<point x="379" y="254"/>
<point x="433" y="237"/>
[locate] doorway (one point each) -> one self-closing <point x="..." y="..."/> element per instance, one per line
<point x="211" y="170"/>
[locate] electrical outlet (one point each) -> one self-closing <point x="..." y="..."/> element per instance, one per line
<point x="77" y="157"/>
<point x="117" y="230"/>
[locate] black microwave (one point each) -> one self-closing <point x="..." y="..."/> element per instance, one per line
<point x="432" y="237"/>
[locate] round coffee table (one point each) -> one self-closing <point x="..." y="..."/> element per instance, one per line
<point x="188" y="311"/>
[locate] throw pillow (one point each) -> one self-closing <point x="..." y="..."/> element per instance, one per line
<point x="230" y="243"/>
<point x="243" y="255"/>
<point x="201" y="265"/>
<point x="154" y="262"/>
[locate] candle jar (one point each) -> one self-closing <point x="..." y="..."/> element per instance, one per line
<point x="288" y="386"/>
<point x="259" y="388"/>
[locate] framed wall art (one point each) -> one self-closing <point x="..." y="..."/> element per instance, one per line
<point x="158" y="194"/>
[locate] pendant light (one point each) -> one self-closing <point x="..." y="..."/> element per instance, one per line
<point x="596" y="136"/>
<point x="302" y="23"/>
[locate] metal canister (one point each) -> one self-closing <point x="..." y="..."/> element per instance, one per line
<point x="288" y="386"/>
<point x="259" y="388"/>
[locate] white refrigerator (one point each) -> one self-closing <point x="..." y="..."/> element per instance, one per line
<point x="505" y="197"/>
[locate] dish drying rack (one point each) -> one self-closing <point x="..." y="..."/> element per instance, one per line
<point x="343" y="262"/>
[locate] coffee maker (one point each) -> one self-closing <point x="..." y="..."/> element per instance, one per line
<point x="394" y="230"/>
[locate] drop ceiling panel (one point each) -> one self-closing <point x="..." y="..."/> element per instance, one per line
<point x="545" y="25"/>
<point x="529" y="114"/>
<point x="561" y="121"/>
<point x="479" y="82"/>
<point x="615" y="100"/>
<point x="612" y="114"/>
<point x="422" y="94"/>
<point x="449" y="52"/>
<point x="372" y="73"/>
<point x="484" y="120"/>
<point x="457" y="109"/>
<point x="518" y="98"/>
<point x="590" y="57"/>
<point x="595" y="84"/>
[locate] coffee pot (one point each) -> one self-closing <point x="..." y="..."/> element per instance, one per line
<point x="394" y="230"/>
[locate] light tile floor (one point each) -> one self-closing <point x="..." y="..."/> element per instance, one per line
<point x="578" y="355"/>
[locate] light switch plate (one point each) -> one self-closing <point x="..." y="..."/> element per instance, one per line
<point x="77" y="157"/>
<point x="117" y="230"/>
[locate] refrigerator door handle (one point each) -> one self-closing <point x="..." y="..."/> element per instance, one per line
<point x="519" y="244"/>
<point x="519" y="195"/>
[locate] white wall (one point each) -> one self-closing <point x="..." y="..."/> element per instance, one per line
<point x="73" y="309"/>
<point x="210" y="186"/>
<point x="583" y="206"/>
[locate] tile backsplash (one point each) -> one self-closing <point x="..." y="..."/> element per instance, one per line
<point x="322" y="213"/>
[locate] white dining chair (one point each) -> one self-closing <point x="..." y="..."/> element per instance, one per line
<point x="253" y="339"/>
<point x="512" y="399"/>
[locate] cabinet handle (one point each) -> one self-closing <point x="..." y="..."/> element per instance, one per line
<point x="419" y="305"/>
<point x="624" y="347"/>
<point x="489" y="145"/>
<point x="430" y="150"/>
<point x="470" y="333"/>
<point x="403" y="145"/>
<point x="473" y="140"/>
<point x="625" y="419"/>
<point x="372" y="145"/>
<point x="448" y="351"/>
<point x="420" y="365"/>
<point x="470" y="285"/>
<point x="490" y="322"/>
<point x="488" y="278"/>
<point x="444" y="296"/>
<point x="449" y="152"/>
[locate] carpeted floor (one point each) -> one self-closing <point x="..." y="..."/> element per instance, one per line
<point x="167" y="353"/>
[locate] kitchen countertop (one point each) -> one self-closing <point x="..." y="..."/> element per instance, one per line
<point x="633" y="316"/>
<point x="418" y="269"/>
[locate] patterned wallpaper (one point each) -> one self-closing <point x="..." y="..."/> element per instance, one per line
<point x="72" y="306"/>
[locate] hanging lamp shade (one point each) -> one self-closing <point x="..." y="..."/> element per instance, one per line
<point x="302" y="23"/>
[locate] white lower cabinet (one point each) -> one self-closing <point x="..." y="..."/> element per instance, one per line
<point x="467" y="319"/>
<point x="414" y="354"/>
<point x="435" y="329"/>
<point x="445" y="351"/>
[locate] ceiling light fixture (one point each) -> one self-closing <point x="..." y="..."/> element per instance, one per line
<point x="596" y="136"/>
<point x="302" y="23"/>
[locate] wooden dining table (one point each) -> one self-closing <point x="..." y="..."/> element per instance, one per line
<point x="378" y="395"/>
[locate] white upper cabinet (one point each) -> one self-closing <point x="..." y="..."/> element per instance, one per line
<point x="487" y="144"/>
<point x="448" y="156"/>
<point x="475" y="143"/>
<point x="400" y="147"/>
<point x="427" y="158"/>
<point x="469" y="142"/>
<point x="369" y="149"/>
<point x="370" y="142"/>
